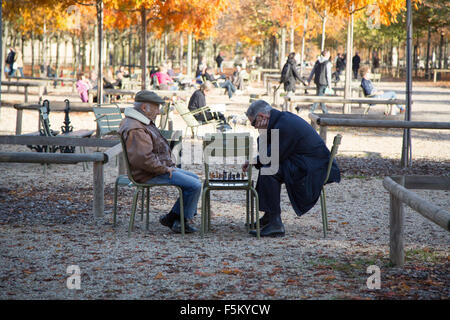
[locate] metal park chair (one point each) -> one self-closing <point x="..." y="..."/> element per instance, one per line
<point x="108" y="117"/>
<point x="189" y="117"/>
<point x="223" y="146"/>
<point x="128" y="180"/>
<point x="323" y="199"/>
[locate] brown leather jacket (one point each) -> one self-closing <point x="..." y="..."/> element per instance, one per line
<point x="148" y="151"/>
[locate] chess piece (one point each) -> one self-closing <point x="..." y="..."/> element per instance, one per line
<point x="224" y="175"/>
<point x="238" y="176"/>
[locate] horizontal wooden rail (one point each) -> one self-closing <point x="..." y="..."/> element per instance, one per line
<point x="60" y="158"/>
<point x="382" y="123"/>
<point x="399" y="194"/>
<point x="58" y="141"/>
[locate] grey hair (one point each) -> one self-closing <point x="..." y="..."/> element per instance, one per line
<point x="259" y="106"/>
<point x="206" y="85"/>
<point x="138" y="105"/>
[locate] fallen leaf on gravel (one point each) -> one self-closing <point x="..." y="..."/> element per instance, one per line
<point x="160" y="276"/>
<point x="270" y="292"/>
<point x="231" y="271"/>
<point x="329" y="278"/>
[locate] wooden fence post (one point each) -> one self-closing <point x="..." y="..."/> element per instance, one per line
<point x="99" y="204"/>
<point x="19" y="115"/>
<point x="396" y="221"/>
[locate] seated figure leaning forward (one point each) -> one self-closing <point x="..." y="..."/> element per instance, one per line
<point x="302" y="165"/>
<point x="151" y="161"/>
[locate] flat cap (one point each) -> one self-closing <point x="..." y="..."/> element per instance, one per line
<point x="148" y="96"/>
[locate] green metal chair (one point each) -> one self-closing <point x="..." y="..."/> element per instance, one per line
<point x="189" y="117"/>
<point x="108" y="117"/>
<point x="323" y="199"/>
<point x="223" y="146"/>
<point x="128" y="180"/>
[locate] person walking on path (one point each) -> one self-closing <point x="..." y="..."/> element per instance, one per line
<point x="19" y="62"/>
<point x="219" y="60"/>
<point x="289" y="75"/>
<point x="355" y="65"/>
<point x="322" y="78"/>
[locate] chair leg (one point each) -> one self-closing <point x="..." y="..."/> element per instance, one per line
<point x="252" y="209"/>
<point x="247" y="217"/>
<point x="203" y="213"/>
<point x="324" y="214"/>
<point x="258" y="229"/>
<point x="148" y="208"/>
<point x="115" y="204"/>
<point x="208" y="209"/>
<point x="142" y="204"/>
<point x="325" y="208"/>
<point x="133" y="210"/>
<point x="181" y="212"/>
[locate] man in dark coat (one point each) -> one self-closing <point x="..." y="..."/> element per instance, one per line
<point x="289" y="75"/>
<point x="302" y="165"/>
<point x="219" y="60"/>
<point x="355" y="65"/>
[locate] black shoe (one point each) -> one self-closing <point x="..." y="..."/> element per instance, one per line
<point x="167" y="220"/>
<point x="262" y="221"/>
<point x="271" y="230"/>
<point x="176" y="227"/>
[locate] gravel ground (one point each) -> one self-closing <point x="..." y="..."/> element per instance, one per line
<point x="46" y="224"/>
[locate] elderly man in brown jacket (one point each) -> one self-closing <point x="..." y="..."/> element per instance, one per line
<point x="151" y="158"/>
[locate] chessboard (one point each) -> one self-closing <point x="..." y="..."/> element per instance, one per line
<point x="225" y="176"/>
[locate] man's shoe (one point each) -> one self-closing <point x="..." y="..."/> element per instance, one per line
<point x="167" y="220"/>
<point x="176" y="227"/>
<point x="264" y="220"/>
<point x="271" y="230"/>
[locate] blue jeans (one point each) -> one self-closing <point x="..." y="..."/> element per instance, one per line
<point x="320" y="92"/>
<point x="229" y="86"/>
<point x="190" y="184"/>
<point x="389" y="95"/>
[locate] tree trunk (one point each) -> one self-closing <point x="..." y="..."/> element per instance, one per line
<point x="348" y="68"/>
<point x="144" y="45"/>
<point x="129" y="50"/>
<point x="291" y="39"/>
<point x="99" y="6"/>
<point x="58" y="42"/>
<point x="305" y="25"/>
<point x="427" y="61"/>
<point x="180" y="58"/>
<point x="189" y="55"/>
<point x="324" y="22"/>
<point x="282" y="48"/>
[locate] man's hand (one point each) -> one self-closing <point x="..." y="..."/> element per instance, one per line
<point x="245" y="166"/>
<point x="171" y="169"/>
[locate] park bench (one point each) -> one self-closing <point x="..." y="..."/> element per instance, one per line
<point x="369" y="121"/>
<point x="98" y="158"/>
<point x="343" y="101"/>
<point x="436" y="71"/>
<point x="47" y="81"/>
<point x="26" y="86"/>
<point x="399" y="194"/>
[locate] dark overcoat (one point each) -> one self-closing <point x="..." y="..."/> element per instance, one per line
<point x="303" y="159"/>
<point x="290" y="75"/>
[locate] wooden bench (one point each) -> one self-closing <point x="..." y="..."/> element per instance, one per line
<point x="25" y="85"/>
<point x="47" y="81"/>
<point x="98" y="158"/>
<point x="369" y="121"/>
<point x="436" y="71"/>
<point x="342" y="100"/>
